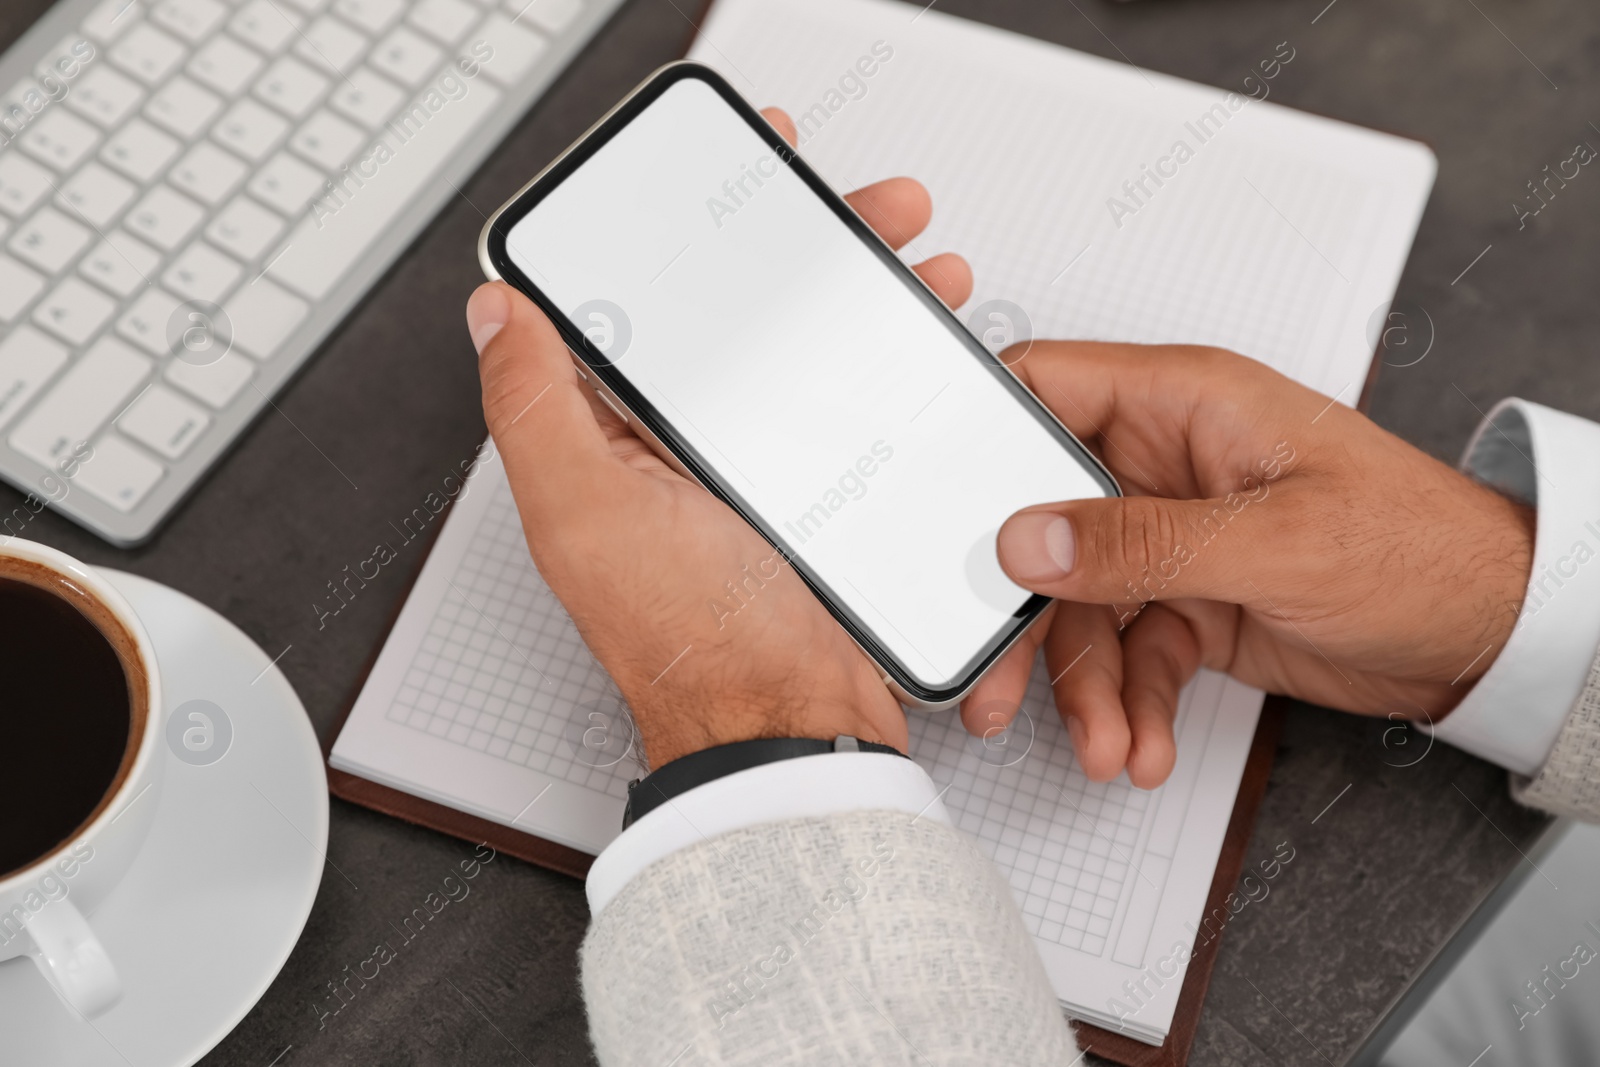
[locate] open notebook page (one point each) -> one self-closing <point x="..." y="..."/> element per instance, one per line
<point x="1278" y="234"/>
<point x="1282" y="237"/>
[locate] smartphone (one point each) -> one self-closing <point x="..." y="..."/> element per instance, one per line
<point x="729" y="305"/>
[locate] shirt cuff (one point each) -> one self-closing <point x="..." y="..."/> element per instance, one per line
<point x="806" y="787"/>
<point x="1548" y="459"/>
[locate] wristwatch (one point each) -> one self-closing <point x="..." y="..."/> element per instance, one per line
<point x="697" y="768"/>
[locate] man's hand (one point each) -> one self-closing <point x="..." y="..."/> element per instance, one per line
<point x="1266" y="533"/>
<point x="650" y="565"/>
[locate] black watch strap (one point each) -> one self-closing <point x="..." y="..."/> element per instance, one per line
<point x="697" y="768"/>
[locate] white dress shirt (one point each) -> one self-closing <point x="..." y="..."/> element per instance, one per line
<point x="1551" y="460"/>
<point x="1534" y="454"/>
<point x="807" y="786"/>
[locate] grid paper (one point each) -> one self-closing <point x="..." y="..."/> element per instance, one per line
<point x="503" y="671"/>
<point x="1247" y="248"/>
<point x="1068" y="846"/>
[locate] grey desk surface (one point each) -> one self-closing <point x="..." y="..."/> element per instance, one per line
<point x="1379" y="879"/>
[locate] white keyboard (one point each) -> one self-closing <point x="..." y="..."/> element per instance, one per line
<point x="194" y="192"/>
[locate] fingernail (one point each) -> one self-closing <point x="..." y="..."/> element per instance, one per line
<point x="487" y="313"/>
<point x="1079" y="735"/>
<point x="1037" y="546"/>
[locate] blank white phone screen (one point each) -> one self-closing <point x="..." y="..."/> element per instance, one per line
<point x="878" y="448"/>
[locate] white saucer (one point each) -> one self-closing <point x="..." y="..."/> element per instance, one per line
<point x="204" y="920"/>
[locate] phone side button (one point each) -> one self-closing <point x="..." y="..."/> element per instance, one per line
<point x="579" y="368"/>
<point x="614" y="406"/>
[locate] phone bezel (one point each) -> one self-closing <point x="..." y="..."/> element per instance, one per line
<point x="614" y="386"/>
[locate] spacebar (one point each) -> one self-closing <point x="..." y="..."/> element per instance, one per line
<point x="343" y="224"/>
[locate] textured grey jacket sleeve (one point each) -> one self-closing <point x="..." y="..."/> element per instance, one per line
<point x="1569" y="781"/>
<point x="866" y="937"/>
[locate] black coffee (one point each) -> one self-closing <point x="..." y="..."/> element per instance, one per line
<point x="65" y="717"/>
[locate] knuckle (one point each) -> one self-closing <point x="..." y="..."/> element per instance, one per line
<point x="1133" y="534"/>
<point x="1149" y="534"/>
<point x="1111" y="537"/>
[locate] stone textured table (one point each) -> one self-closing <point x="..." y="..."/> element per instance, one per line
<point x="1380" y="878"/>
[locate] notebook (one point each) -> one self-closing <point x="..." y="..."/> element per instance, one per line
<point x="1276" y="233"/>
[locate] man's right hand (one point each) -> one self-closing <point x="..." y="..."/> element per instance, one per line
<point x="1267" y="533"/>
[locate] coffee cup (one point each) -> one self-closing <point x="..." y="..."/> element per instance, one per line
<point x="81" y="699"/>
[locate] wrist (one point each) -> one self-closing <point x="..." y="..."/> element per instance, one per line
<point x="1508" y="548"/>
<point x="683" y="775"/>
<point x="670" y="735"/>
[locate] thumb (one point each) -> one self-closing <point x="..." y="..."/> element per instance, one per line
<point x="536" y="407"/>
<point x="1131" y="548"/>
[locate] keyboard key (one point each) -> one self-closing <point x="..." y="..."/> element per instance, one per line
<point x="331" y="46"/>
<point x="291" y="87"/>
<point x="18" y="287"/>
<point x="245" y="228"/>
<point x="307" y="7"/>
<point x="286" y="183"/>
<point x="139" y="150"/>
<point x="183" y="107"/>
<point x="262" y="316"/>
<point x="164" y="218"/>
<point x="66" y="60"/>
<point x="207" y="173"/>
<point x="250" y="130"/>
<point x="328" y="141"/>
<point x="266" y="25"/>
<point x="200" y="336"/>
<point x="60" y="139"/>
<point x="28" y="359"/>
<point x="21" y="103"/>
<point x="120" y="264"/>
<point x="215" y="383"/>
<point x="104" y="96"/>
<point x="367" y="98"/>
<point x="443" y="20"/>
<point x="97" y="195"/>
<point x="374" y="16"/>
<point x="552" y="16"/>
<point x="225" y="65"/>
<point x="193" y="20"/>
<point x="203" y="273"/>
<point x="23" y="183"/>
<point x="147" y="54"/>
<point x="164" y="421"/>
<point x="118" y="473"/>
<point x="406" y="58"/>
<point x="93" y="390"/>
<point x="145" y="324"/>
<point x="110" y="18"/>
<point x="515" y="49"/>
<point x="74" y="310"/>
<point x="49" y="240"/>
<point x="320" y="251"/>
